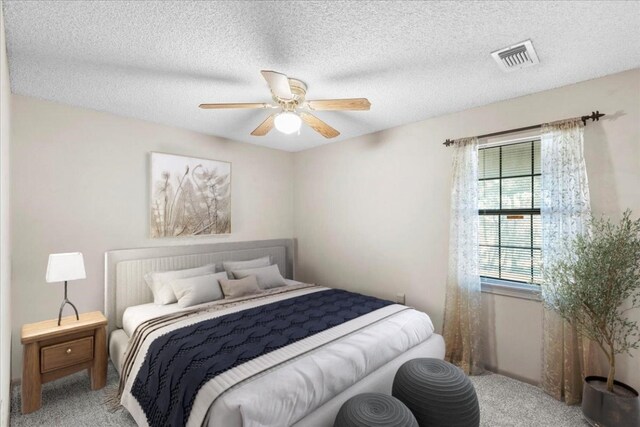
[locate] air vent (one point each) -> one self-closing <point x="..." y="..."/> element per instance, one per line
<point x="515" y="57"/>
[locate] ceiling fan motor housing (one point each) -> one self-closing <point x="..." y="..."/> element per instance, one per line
<point x="299" y="91"/>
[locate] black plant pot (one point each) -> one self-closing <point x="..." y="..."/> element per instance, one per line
<point x="605" y="409"/>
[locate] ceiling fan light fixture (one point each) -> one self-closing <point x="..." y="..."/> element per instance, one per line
<point x="288" y="94"/>
<point x="288" y="122"/>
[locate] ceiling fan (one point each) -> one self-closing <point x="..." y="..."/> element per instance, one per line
<point x="289" y="96"/>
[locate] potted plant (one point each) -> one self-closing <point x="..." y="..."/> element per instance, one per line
<point x="594" y="287"/>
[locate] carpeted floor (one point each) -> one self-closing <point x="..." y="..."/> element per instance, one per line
<point x="503" y="402"/>
<point x="507" y="402"/>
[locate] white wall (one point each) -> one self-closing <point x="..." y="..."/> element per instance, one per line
<point x="5" y="259"/>
<point x="80" y="183"/>
<point x="372" y="213"/>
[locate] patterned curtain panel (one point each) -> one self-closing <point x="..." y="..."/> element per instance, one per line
<point x="462" y="333"/>
<point x="565" y="212"/>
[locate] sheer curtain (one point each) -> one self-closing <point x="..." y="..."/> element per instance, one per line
<point x="463" y="300"/>
<point x="565" y="211"/>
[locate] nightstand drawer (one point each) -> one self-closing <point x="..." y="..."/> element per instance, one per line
<point x="66" y="354"/>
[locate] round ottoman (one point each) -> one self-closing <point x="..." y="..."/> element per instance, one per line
<point x="438" y="393"/>
<point x="374" y="409"/>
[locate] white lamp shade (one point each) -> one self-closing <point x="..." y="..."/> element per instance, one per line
<point x="287" y="122"/>
<point x="63" y="267"/>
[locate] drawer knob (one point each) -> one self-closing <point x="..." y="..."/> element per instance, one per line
<point x="68" y="351"/>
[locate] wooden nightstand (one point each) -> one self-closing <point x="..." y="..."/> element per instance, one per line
<point x="51" y="352"/>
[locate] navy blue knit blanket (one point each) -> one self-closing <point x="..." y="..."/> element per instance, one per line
<point x="180" y="362"/>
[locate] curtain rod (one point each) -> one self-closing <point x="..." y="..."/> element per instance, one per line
<point x="594" y="116"/>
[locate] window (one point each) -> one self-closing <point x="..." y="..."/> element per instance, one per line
<point x="509" y="202"/>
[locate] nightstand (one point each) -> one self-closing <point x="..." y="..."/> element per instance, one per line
<point x="51" y="352"/>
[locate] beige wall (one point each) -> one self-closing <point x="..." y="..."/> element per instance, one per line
<point x="5" y="260"/>
<point x="372" y="213"/>
<point x="80" y="183"/>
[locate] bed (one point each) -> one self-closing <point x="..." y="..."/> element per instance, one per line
<point x="303" y="383"/>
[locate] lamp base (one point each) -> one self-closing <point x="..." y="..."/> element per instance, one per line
<point x="66" y="301"/>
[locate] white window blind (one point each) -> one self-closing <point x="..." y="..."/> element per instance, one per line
<point x="509" y="203"/>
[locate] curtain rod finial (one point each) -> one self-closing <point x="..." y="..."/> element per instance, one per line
<point x="595" y="116"/>
<point x="448" y="142"/>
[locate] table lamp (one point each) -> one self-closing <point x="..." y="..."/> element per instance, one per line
<point x="64" y="267"/>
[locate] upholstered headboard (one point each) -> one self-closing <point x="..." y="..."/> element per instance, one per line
<point x="125" y="269"/>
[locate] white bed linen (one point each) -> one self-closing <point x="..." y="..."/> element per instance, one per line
<point x="118" y="343"/>
<point x="379" y="381"/>
<point x="312" y="379"/>
<point x="317" y="377"/>
<point x="135" y="315"/>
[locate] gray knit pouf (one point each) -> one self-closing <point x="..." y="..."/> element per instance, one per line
<point x="438" y="393"/>
<point x="374" y="409"/>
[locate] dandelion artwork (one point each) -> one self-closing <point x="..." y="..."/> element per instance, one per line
<point x="189" y="196"/>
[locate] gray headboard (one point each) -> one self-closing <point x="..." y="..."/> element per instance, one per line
<point x="125" y="269"/>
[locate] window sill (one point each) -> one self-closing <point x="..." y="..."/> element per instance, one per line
<point x="511" y="289"/>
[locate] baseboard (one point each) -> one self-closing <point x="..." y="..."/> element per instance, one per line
<point x="513" y="375"/>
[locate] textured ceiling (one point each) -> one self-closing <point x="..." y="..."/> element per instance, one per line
<point x="158" y="60"/>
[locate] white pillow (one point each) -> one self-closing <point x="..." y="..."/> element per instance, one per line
<point x="160" y="287"/>
<point x="268" y="277"/>
<point x="197" y="290"/>
<point x="230" y="266"/>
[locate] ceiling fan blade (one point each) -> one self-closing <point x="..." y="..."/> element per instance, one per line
<point x="264" y="127"/>
<point x="278" y="83"/>
<point x="318" y="125"/>
<point x="235" y="105"/>
<point x="340" y="104"/>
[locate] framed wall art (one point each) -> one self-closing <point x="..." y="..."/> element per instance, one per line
<point x="189" y="196"/>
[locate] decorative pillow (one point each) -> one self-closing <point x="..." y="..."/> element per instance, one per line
<point x="197" y="290"/>
<point x="239" y="288"/>
<point x="268" y="277"/>
<point x="230" y="266"/>
<point x="160" y="287"/>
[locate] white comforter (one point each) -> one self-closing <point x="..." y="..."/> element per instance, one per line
<point x="318" y="377"/>
<point x="283" y="395"/>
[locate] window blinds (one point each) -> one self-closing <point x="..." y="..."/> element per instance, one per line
<point x="509" y="203"/>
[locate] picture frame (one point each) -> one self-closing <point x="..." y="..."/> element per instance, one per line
<point x="189" y="196"/>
